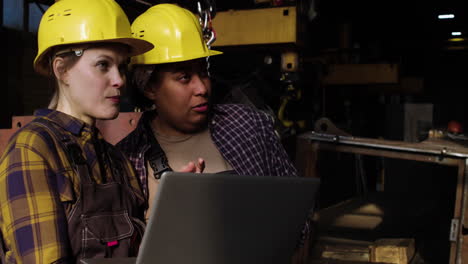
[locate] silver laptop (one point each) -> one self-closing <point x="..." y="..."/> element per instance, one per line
<point x="225" y="218"/>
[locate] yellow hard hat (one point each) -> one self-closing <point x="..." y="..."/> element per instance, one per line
<point x="84" y="21"/>
<point x="175" y="33"/>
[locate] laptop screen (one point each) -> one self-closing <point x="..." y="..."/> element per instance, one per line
<point x="226" y="218"/>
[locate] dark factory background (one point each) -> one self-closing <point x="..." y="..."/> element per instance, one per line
<point x="429" y="61"/>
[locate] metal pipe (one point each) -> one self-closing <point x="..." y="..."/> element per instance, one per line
<point x="345" y="140"/>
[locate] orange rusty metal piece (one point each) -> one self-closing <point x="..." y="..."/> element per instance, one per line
<point x="112" y="130"/>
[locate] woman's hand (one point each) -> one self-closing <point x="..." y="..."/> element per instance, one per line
<point x="192" y="167"/>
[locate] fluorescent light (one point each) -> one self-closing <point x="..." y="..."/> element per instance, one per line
<point x="456" y="33"/>
<point x="446" y="16"/>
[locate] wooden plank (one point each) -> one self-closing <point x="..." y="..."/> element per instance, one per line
<point x="306" y="158"/>
<point x="407" y="85"/>
<point x="464" y="250"/>
<point x="345" y="252"/>
<point x="459" y="206"/>
<point x="361" y="74"/>
<point x="256" y="26"/>
<point x="337" y="250"/>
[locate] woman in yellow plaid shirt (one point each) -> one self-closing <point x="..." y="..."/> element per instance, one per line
<point x="65" y="193"/>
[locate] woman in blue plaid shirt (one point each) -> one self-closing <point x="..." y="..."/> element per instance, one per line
<point x="182" y="129"/>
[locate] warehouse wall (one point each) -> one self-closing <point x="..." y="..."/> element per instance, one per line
<point x="25" y="90"/>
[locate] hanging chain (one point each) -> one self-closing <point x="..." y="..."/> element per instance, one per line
<point x="209" y="34"/>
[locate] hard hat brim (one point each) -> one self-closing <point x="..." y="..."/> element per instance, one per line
<point x="137" y="47"/>
<point x="215" y="52"/>
<point x="137" y="60"/>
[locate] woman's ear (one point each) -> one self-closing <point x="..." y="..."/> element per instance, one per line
<point x="59" y="69"/>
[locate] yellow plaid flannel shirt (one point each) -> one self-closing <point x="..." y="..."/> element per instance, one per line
<point x="38" y="188"/>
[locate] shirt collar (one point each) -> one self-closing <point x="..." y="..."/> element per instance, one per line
<point x="67" y="122"/>
<point x="218" y="109"/>
<point x="217" y="112"/>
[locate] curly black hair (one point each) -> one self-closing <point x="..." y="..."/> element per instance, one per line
<point x="139" y="78"/>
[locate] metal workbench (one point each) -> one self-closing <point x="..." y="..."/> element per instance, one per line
<point x="435" y="151"/>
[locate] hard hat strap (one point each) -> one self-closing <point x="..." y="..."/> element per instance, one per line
<point x="77" y="52"/>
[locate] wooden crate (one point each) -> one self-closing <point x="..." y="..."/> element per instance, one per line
<point x="362" y="74"/>
<point x="392" y="251"/>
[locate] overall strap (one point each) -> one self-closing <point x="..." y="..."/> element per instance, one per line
<point x="116" y="162"/>
<point x="72" y="149"/>
<point x="106" y="156"/>
<point x="155" y="155"/>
